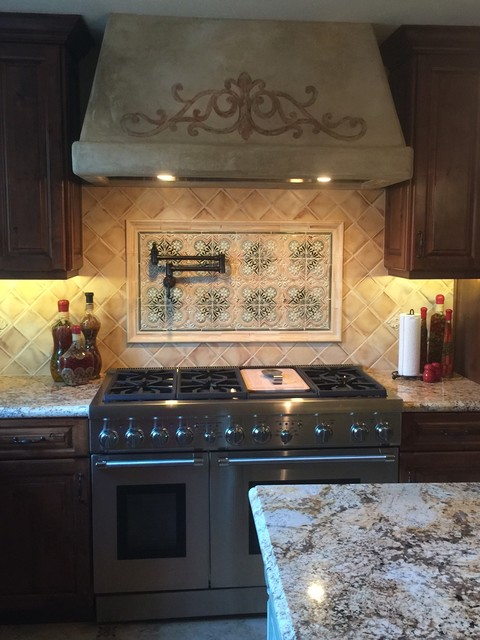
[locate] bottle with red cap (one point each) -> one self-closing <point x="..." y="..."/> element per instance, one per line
<point x="437" y="328"/>
<point x="76" y="364"/>
<point x="423" y="338"/>
<point x="62" y="338"/>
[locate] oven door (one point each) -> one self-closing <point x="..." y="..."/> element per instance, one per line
<point x="235" y="554"/>
<point x="150" y="524"/>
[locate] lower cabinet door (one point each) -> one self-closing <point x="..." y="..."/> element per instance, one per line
<point x="458" y="466"/>
<point x="45" y="559"/>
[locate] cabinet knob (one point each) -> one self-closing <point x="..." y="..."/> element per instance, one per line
<point x="419" y="251"/>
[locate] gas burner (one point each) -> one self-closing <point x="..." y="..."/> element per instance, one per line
<point x="141" y="385"/>
<point x="211" y="383"/>
<point x="343" y="381"/>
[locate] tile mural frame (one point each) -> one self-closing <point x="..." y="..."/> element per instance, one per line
<point x="140" y="279"/>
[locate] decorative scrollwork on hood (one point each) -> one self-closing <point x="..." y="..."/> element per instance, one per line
<point x="251" y="107"/>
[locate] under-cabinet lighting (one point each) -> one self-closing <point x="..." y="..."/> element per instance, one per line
<point x="324" y="179"/>
<point x="296" y="180"/>
<point x="166" y="177"/>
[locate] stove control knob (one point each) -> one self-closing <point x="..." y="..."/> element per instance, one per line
<point x="261" y="433"/>
<point x="323" y="432"/>
<point x="285" y="436"/>
<point x="209" y="437"/>
<point x="359" y="431"/>
<point x="158" y="435"/>
<point x="234" y="434"/>
<point x="108" y="438"/>
<point x="184" y="435"/>
<point x="383" y="431"/>
<point x="134" y="436"/>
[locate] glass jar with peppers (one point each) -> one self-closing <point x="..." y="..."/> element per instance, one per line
<point x="437" y="328"/>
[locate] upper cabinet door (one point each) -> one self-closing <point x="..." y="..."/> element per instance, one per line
<point x="432" y="227"/>
<point x="40" y="200"/>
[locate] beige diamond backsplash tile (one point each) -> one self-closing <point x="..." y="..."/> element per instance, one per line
<point x="289" y="203"/>
<point x="372" y="300"/>
<point x="372" y="221"/>
<point x="255" y="205"/>
<point x="150" y="203"/>
<point x="99" y="219"/>
<point x="367" y="353"/>
<point x="370" y="255"/>
<point x="355" y="204"/>
<point x="221" y="205"/>
<point x="99" y="254"/>
<point x="13" y="342"/>
<point x="368" y="290"/>
<point x="31" y="358"/>
<point x="117" y="202"/>
<point x="355" y="239"/>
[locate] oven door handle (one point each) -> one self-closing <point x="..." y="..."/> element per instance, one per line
<point x="128" y="464"/>
<point x="224" y="461"/>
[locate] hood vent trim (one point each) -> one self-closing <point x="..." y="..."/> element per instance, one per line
<point x="244" y="111"/>
<point x="243" y="100"/>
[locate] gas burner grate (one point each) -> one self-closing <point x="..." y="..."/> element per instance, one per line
<point x="141" y="385"/>
<point x="210" y="383"/>
<point x="343" y="381"/>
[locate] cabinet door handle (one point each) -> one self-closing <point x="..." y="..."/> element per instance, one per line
<point x="419" y="252"/>
<point x="51" y="437"/>
<point x="81" y="487"/>
<point x="17" y="440"/>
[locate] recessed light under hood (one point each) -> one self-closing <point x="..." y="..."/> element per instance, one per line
<point x="240" y="102"/>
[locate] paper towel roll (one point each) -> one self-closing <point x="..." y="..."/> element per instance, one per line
<point x="409" y="344"/>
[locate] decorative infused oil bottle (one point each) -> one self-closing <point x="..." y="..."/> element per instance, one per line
<point x="90" y="326"/>
<point x="62" y="338"/>
<point x="76" y="364"/>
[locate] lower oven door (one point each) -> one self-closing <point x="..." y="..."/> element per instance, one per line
<point x="150" y="524"/>
<point x="235" y="554"/>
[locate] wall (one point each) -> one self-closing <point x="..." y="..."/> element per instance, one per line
<point x="372" y="300"/>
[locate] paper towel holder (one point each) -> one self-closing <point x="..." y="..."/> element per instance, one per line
<point x="396" y="374"/>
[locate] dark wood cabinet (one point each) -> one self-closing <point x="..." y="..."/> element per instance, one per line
<point x="466" y="334"/>
<point x="45" y="540"/>
<point x="40" y="198"/>
<point x="440" y="447"/>
<point x="432" y="222"/>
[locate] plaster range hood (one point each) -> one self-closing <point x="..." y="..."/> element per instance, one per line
<point x="240" y="103"/>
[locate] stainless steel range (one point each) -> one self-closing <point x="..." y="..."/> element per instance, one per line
<point x="174" y="453"/>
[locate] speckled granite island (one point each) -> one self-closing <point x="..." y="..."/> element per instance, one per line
<point x="365" y="562"/>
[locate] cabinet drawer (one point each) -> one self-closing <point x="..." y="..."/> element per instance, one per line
<point x="43" y="438"/>
<point x="460" y="466"/>
<point x="440" y="431"/>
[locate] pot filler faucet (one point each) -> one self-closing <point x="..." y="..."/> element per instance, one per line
<point x="217" y="265"/>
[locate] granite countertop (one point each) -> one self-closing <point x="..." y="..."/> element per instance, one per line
<point x="452" y="394"/>
<point x="371" y="562"/>
<point x="41" y="397"/>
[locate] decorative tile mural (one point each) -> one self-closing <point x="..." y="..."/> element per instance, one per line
<point x="280" y="282"/>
